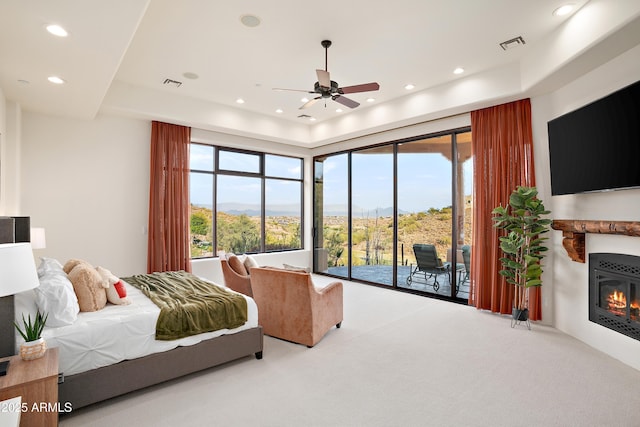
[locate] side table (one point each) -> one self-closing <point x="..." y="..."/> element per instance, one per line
<point x="37" y="382"/>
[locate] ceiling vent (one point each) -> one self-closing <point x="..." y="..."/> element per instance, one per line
<point x="304" y="116"/>
<point x="172" y="82"/>
<point x="510" y="44"/>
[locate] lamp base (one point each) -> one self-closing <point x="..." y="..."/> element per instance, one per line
<point x="7" y="328"/>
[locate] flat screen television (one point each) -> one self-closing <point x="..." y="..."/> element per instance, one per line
<point x="597" y="147"/>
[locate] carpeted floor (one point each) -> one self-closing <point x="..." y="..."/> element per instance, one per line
<point x="398" y="360"/>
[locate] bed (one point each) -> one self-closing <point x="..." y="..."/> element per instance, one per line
<point x="113" y="351"/>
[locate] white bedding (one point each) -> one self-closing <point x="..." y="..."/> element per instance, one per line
<point x="121" y="332"/>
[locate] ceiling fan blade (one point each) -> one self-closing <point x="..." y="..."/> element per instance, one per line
<point x="345" y="101"/>
<point x="293" y="90"/>
<point x="359" y="88"/>
<point x="309" y="103"/>
<point x="323" y="78"/>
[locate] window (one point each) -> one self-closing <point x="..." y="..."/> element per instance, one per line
<point x="244" y="201"/>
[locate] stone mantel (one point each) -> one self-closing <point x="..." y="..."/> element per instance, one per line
<point x="573" y="231"/>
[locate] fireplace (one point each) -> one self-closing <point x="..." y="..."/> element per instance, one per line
<point x="614" y="292"/>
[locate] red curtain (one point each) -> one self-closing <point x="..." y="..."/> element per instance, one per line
<point x="168" y="246"/>
<point x="503" y="159"/>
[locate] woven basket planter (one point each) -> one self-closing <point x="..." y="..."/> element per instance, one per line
<point x="32" y="350"/>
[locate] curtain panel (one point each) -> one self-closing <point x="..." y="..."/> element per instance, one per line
<point x="503" y="160"/>
<point x="168" y="245"/>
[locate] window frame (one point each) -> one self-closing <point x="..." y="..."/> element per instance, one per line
<point x="261" y="175"/>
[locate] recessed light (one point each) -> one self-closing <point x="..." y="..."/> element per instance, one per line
<point x="371" y="99"/>
<point x="250" y="21"/>
<point x="313" y="119"/>
<point x="55" y="79"/>
<point x="563" y="10"/>
<point x="338" y="110"/>
<point x="190" y="75"/>
<point x="240" y="101"/>
<point x="279" y="111"/>
<point x="409" y="86"/>
<point x="57" y="30"/>
<point x="304" y="100"/>
<point x="458" y="70"/>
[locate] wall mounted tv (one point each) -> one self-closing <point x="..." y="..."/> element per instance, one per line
<point x="597" y="147"/>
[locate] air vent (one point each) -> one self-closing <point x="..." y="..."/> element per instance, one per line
<point x="172" y="82"/>
<point x="510" y="44"/>
<point x="304" y="116"/>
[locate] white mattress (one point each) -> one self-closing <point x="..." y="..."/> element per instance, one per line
<point x="121" y="332"/>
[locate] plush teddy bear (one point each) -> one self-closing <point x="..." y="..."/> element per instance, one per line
<point x="89" y="286"/>
<point x="116" y="292"/>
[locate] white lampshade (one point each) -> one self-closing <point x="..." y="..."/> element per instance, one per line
<point x="17" y="269"/>
<point x="38" y="240"/>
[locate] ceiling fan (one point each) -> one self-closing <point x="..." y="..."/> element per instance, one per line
<point x="327" y="88"/>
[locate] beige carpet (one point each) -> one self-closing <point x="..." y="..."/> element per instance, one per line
<point x="398" y="360"/>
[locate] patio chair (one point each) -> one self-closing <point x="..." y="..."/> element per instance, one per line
<point x="429" y="264"/>
<point x="466" y="256"/>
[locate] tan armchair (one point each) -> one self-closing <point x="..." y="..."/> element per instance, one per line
<point x="291" y="308"/>
<point x="236" y="276"/>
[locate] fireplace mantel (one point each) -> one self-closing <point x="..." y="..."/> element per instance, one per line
<point x="573" y="231"/>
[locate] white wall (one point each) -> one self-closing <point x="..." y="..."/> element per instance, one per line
<point x="568" y="281"/>
<point x="87" y="183"/>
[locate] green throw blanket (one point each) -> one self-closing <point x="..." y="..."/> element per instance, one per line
<point x="189" y="305"/>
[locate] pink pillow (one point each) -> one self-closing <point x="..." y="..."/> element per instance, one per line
<point x="237" y="265"/>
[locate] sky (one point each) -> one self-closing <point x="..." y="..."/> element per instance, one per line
<point x="424" y="180"/>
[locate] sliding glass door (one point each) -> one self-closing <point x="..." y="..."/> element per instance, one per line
<point x="398" y="214"/>
<point x="372" y="215"/>
<point x="331" y="213"/>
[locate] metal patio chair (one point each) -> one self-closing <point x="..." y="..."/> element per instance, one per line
<point x="429" y="265"/>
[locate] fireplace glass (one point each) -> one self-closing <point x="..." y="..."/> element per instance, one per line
<point x="614" y="295"/>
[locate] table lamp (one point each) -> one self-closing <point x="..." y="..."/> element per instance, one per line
<point x="17" y="274"/>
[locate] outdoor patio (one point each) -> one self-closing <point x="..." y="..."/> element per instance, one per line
<point x="383" y="274"/>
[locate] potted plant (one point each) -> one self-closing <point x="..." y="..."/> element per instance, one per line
<point x="34" y="346"/>
<point x="522" y="245"/>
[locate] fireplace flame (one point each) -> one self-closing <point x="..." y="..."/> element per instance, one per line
<point x="617" y="301"/>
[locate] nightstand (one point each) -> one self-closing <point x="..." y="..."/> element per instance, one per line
<point x="37" y="382"/>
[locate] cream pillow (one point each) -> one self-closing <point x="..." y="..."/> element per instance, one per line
<point x="249" y="263"/>
<point x="295" y="268"/>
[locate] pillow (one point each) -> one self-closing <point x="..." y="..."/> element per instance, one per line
<point x="49" y="265"/>
<point x="55" y="295"/>
<point x="89" y="287"/>
<point x="294" y="268"/>
<point x="249" y="263"/>
<point x="68" y="266"/>
<point x="237" y="265"/>
<point x="116" y="292"/>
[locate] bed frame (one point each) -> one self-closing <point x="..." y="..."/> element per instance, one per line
<point x="110" y="381"/>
